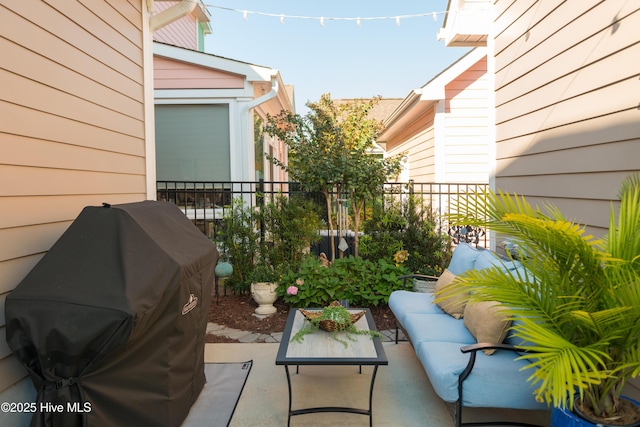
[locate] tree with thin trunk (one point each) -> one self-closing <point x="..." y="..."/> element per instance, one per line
<point x="329" y="151"/>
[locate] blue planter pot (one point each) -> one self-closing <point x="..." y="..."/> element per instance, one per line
<point x="566" y="418"/>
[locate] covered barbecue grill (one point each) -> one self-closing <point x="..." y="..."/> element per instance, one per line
<point x="111" y="322"/>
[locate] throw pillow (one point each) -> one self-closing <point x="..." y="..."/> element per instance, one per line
<point x="452" y="304"/>
<point x="486" y="322"/>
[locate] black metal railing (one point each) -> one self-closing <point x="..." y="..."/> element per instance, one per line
<point x="205" y="203"/>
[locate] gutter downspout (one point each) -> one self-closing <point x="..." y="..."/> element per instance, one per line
<point x="246" y="123"/>
<point x="267" y="96"/>
<point x="172" y="14"/>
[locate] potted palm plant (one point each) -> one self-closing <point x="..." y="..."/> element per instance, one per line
<point x="575" y="301"/>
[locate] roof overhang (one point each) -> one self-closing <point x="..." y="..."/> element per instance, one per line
<point x="253" y="73"/>
<point x="467" y="23"/>
<point x="419" y="101"/>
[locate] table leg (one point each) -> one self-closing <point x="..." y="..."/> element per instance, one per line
<point x="373" y="380"/>
<point x="286" y="369"/>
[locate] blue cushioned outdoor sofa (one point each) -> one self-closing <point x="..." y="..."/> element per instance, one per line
<point x="458" y="368"/>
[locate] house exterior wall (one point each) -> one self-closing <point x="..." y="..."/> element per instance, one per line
<point x="417" y="141"/>
<point x="170" y="74"/>
<point x="462" y="150"/>
<point x="183" y="32"/>
<point x="449" y="140"/>
<point x="566" y="91"/>
<point x="73" y="133"/>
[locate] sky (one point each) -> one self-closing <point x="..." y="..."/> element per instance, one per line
<point x="347" y="60"/>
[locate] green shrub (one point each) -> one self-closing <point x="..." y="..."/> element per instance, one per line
<point x="277" y="235"/>
<point x="362" y="282"/>
<point x="409" y="225"/>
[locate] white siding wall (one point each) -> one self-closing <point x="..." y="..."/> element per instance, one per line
<point x="465" y="134"/>
<point x="567" y="94"/>
<point x="72" y="133"/>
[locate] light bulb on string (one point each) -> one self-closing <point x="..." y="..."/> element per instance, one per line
<point x="245" y="15"/>
<point x="322" y="21"/>
<point x="398" y="21"/>
<point x="358" y="23"/>
<point x="435" y="16"/>
<point x="282" y="19"/>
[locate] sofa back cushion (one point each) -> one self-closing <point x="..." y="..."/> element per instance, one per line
<point x="450" y="302"/>
<point x="463" y="258"/>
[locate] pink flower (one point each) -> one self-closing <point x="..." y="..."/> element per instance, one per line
<point x="292" y="290"/>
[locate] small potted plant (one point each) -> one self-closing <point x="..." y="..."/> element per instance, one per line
<point x="264" y="281"/>
<point x="575" y="301"/>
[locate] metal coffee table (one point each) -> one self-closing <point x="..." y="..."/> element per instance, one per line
<point x="320" y="348"/>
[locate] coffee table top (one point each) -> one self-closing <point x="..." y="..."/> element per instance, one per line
<point x="321" y="348"/>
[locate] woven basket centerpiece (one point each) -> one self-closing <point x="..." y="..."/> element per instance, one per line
<point x="332" y="318"/>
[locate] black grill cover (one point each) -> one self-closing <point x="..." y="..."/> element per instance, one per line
<point x="111" y="322"/>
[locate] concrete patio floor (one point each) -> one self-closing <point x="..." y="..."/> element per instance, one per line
<point x="402" y="396"/>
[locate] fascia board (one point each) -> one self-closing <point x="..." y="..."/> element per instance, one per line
<point x="194" y="94"/>
<point x="434" y="89"/>
<point x="250" y="71"/>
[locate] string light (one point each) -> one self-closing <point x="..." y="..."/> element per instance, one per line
<point x="358" y="20"/>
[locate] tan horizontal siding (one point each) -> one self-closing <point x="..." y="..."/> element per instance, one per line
<point x="98" y="20"/>
<point x="14" y="270"/>
<point x="47" y="100"/>
<point x="567" y="112"/>
<point x="31" y="123"/>
<point x="605" y="100"/>
<point x="130" y="10"/>
<point x="590" y="57"/>
<point x="11" y="371"/>
<point x="572" y="85"/>
<point x="61" y="40"/>
<point x="621" y="126"/>
<point x="33" y="152"/>
<point x="624" y="154"/>
<point x="20" y="211"/>
<point x="26" y="181"/>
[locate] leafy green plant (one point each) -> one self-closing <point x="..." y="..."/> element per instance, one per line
<point x="291" y="225"/>
<point x="240" y="238"/>
<point x="577" y="298"/>
<point x="406" y="225"/>
<point x="343" y="323"/>
<point x="361" y="282"/>
<point x="263" y="273"/>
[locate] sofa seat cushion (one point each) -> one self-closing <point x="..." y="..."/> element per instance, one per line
<point x="496" y="380"/>
<point x="436" y="327"/>
<point x="407" y="302"/>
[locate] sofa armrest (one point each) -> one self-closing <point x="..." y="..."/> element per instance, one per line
<point x="473" y="349"/>
<point x="415" y="276"/>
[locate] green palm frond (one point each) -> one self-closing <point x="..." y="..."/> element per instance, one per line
<point x="576" y="298"/>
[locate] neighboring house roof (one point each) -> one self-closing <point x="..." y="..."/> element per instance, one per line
<point x="419" y="101"/>
<point x="380" y="110"/>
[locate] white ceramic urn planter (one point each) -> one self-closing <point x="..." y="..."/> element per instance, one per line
<point x="264" y="294"/>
